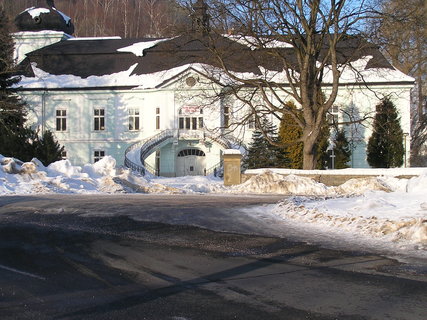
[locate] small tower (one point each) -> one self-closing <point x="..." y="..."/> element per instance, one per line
<point x="200" y="18"/>
<point x="44" y="17"/>
<point x="40" y="26"/>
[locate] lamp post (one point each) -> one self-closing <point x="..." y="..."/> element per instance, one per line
<point x="331" y="148"/>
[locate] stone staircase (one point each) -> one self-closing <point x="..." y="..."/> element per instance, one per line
<point x="136" y="154"/>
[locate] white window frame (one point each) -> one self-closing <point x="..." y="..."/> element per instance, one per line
<point x="61" y="119"/>
<point x="191" y="121"/>
<point x="157" y="118"/>
<point x="333" y="114"/>
<point x="251" y="122"/>
<point x="226" y="116"/>
<point x="99" y="119"/>
<point x="134" y="119"/>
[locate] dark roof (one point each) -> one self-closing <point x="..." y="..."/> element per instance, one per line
<point x="85" y="58"/>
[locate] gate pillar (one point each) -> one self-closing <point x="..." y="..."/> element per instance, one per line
<point x="232" y="162"/>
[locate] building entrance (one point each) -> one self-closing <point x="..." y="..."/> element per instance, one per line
<point x="191" y="162"/>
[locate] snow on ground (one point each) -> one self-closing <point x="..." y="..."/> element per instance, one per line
<point x="103" y="176"/>
<point x="389" y="211"/>
<point x="270" y="182"/>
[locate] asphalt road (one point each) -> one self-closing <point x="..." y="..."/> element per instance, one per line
<point x="116" y="257"/>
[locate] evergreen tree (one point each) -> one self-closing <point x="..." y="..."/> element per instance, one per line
<point x="341" y="149"/>
<point x="261" y="153"/>
<point x="385" y="146"/>
<point x="47" y="149"/>
<point x="289" y="133"/>
<point x="17" y="140"/>
<point x="13" y="135"/>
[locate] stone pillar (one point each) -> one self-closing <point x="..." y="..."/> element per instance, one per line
<point x="232" y="159"/>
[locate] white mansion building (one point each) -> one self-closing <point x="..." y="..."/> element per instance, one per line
<point x="147" y="102"/>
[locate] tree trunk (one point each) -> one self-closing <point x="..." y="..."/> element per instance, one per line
<point x="309" y="154"/>
<point x="310" y="135"/>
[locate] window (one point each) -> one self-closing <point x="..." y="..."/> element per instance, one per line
<point x="226" y="116"/>
<point x="99" y="119"/>
<point x="157" y="118"/>
<point x="332" y="115"/>
<point x="251" y="122"/>
<point x="133" y="119"/>
<point x="61" y="120"/>
<point x="191" y="152"/>
<point x="157" y="162"/>
<point x="189" y="118"/>
<point x="98" y="155"/>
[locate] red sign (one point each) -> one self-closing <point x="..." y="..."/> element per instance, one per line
<point x="190" y="109"/>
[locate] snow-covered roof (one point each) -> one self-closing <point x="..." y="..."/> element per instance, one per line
<point x="147" y="62"/>
<point x="35" y="12"/>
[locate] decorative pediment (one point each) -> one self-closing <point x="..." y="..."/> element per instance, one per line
<point x="189" y="79"/>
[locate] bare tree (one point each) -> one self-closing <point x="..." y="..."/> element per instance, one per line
<point x="401" y="32"/>
<point x="304" y="38"/>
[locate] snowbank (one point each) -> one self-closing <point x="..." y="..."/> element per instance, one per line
<point x="270" y="182"/>
<point x="17" y="177"/>
<point x="195" y="184"/>
<point x="393" y="172"/>
<point x="398" y="215"/>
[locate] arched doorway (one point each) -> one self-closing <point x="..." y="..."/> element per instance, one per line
<point x="190" y="162"/>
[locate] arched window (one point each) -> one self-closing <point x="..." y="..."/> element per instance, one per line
<point x="191" y="152"/>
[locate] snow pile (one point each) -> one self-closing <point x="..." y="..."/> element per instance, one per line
<point x="361" y="185"/>
<point x="195" y="184"/>
<point x="288" y="182"/>
<point x="17" y="177"/>
<point x="270" y="182"/>
<point x="399" y="216"/>
<point x="389" y="172"/>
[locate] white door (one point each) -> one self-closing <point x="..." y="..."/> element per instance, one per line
<point x="190" y="163"/>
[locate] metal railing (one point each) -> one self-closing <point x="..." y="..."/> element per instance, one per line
<point x="150" y="169"/>
<point x="224" y="143"/>
<point x="147" y="145"/>
<point x="135" y="167"/>
<point x="154" y="141"/>
<point x="216" y="169"/>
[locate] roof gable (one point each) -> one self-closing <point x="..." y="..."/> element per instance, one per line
<point x="188" y="79"/>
